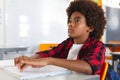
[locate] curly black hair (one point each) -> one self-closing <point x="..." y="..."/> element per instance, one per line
<point x="93" y="14"/>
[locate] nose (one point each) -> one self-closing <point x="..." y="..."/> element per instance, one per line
<point x="71" y="24"/>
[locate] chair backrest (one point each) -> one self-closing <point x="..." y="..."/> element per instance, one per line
<point x="103" y="71"/>
<point x="47" y="46"/>
<point x="108" y="56"/>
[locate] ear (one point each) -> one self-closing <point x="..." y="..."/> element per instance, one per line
<point x="90" y="29"/>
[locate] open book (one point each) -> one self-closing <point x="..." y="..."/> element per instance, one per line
<point x="30" y="72"/>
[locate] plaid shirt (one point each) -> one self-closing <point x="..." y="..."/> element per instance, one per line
<point x="93" y="52"/>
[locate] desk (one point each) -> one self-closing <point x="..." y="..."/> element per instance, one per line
<point x="11" y="49"/>
<point x="113" y="46"/>
<point x="115" y="59"/>
<point x="72" y="76"/>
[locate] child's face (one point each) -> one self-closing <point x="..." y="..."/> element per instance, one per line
<point x="77" y="27"/>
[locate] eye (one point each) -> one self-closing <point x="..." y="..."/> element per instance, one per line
<point x="77" y="20"/>
<point x="69" y="20"/>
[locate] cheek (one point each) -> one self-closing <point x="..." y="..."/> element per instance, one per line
<point x="81" y="29"/>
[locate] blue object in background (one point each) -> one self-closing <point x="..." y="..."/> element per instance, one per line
<point x="118" y="68"/>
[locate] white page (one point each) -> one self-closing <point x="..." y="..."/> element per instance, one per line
<point x="6" y="63"/>
<point x="29" y="73"/>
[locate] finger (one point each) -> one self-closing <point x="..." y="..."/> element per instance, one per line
<point x="26" y="60"/>
<point x="34" y="66"/>
<point x="16" y="60"/>
<point x="23" y="67"/>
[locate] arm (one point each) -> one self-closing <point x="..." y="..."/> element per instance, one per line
<point x="17" y="61"/>
<point x="58" y="51"/>
<point x="96" y="57"/>
<point x="36" y="56"/>
<point x="21" y="60"/>
<point x="74" y="65"/>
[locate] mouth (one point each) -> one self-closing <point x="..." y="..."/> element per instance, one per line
<point x="70" y="30"/>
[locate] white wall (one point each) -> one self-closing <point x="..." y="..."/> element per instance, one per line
<point x="31" y="22"/>
<point x="1" y="23"/>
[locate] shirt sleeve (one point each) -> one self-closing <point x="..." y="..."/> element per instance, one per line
<point x="58" y="52"/>
<point x="96" y="57"/>
<point x="51" y="52"/>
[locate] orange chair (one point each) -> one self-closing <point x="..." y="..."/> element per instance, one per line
<point x="103" y="71"/>
<point x="108" y="57"/>
<point x="46" y="46"/>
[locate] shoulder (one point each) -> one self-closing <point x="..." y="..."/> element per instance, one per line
<point x="67" y="42"/>
<point x="94" y="43"/>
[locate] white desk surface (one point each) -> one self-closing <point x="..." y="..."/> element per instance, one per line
<point x="115" y="53"/>
<point x="73" y="76"/>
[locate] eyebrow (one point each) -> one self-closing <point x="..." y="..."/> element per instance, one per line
<point x="76" y="17"/>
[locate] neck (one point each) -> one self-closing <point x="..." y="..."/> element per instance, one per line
<point x="80" y="40"/>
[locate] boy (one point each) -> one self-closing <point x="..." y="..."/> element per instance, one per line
<point x="82" y="51"/>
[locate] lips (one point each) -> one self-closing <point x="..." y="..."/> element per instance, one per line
<point x="70" y="30"/>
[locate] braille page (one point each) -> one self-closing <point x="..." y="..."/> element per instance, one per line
<point x="30" y="72"/>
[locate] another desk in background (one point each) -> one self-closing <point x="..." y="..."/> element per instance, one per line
<point x="72" y="76"/>
<point x="11" y="49"/>
<point x="112" y="46"/>
<point x="115" y="59"/>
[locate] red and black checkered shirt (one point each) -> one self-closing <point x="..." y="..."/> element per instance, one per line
<point x="93" y="52"/>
